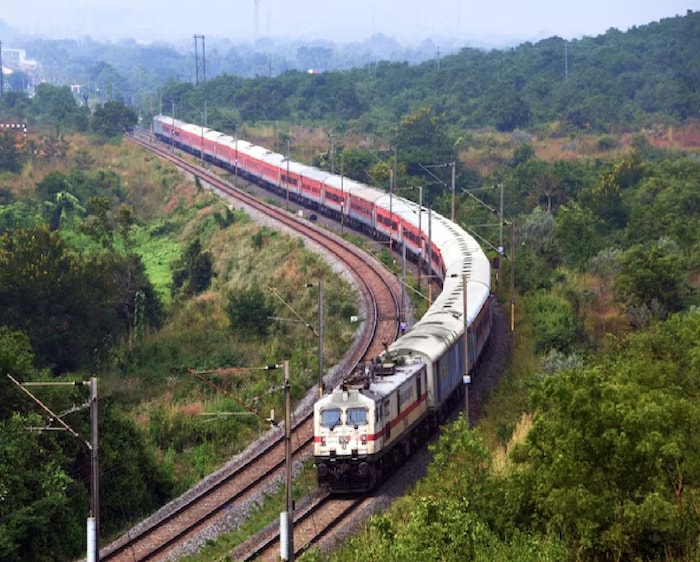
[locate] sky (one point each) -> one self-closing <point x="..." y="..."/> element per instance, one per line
<point x="409" y="21"/>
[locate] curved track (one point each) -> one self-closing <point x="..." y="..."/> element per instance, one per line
<point x="179" y="522"/>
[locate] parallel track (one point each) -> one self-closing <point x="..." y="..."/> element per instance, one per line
<point x="166" y="532"/>
<point x="312" y="522"/>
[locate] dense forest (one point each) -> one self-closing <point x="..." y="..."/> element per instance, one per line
<point x="580" y="160"/>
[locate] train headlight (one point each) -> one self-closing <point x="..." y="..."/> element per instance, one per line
<point x="322" y="470"/>
<point x="363" y="469"/>
<point x="363" y="439"/>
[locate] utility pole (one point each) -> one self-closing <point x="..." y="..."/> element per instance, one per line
<point x="332" y="155"/>
<point x="466" y="379"/>
<point x="320" y="339"/>
<point x="430" y="255"/>
<point x="94" y="473"/>
<point x="286" y="180"/>
<point x="420" y="229"/>
<point x="402" y="320"/>
<point x="287" y="517"/>
<point x="200" y="63"/>
<point x="501" y="251"/>
<point x="452" y="215"/>
<point x="2" y="75"/>
<point x="342" y="192"/>
<point x="392" y="190"/>
<point x="452" y="186"/>
<point x="172" y="132"/>
<point x="93" y="522"/>
<point x="512" y="276"/>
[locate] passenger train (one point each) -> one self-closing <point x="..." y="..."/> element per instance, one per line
<point x="370" y="423"/>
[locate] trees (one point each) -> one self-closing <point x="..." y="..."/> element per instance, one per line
<point x="250" y="312"/>
<point x="194" y="271"/>
<point x="10" y="157"/>
<point x="72" y="307"/>
<point x="36" y="491"/>
<point x="612" y="459"/>
<point x="113" y="119"/>
<point x="556" y="326"/>
<point x="651" y="273"/>
<point x="56" y="107"/>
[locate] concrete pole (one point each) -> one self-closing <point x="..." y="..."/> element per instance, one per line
<point x="94" y="468"/>
<point x="430" y="256"/>
<point x="320" y="339"/>
<point x="452" y="215"/>
<point x="287" y="178"/>
<point x="466" y="379"/>
<point x="288" y="459"/>
<point x="420" y="230"/>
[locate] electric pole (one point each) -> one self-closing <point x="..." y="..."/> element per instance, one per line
<point x="2" y="74"/>
<point x="200" y="62"/>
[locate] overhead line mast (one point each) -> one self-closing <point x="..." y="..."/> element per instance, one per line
<point x="257" y="20"/>
<point x="200" y="62"/>
<point x="2" y="74"/>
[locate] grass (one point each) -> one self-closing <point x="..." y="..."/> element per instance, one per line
<point x="158" y="254"/>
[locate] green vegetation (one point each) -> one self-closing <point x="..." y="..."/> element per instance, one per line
<point x="113" y="265"/>
<point x="607" y="470"/>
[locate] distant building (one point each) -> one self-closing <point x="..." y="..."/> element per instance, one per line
<point x="15" y="60"/>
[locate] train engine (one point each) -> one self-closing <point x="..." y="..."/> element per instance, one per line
<point x="369" y="424"/>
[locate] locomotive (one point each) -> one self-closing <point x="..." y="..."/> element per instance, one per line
<point x="370" y="423"/>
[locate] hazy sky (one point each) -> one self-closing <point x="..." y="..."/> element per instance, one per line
<point x="405" y="20"/>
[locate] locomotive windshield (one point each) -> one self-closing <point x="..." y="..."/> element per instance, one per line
<point x="330" y="418"/>
<point x="356" y="416"/>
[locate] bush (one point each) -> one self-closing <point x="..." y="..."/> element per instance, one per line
<point x="555" y="324"/>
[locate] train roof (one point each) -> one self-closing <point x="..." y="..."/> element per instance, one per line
<point x="397" y="204"/>
<point x="315" y="174"/>
<point x="343" y="183"/>
<point x="376" y="384"/>
<point x="253" y="150"/>
<point x="366" y="192"/>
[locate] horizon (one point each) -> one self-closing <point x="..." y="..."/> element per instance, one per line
<point x="408" y="23"/>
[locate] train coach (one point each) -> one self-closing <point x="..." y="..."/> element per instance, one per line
<point x="369" y="424"/>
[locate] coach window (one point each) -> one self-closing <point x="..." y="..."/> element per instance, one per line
<point x="330" y="418"/>
<point x="356" y="416"/>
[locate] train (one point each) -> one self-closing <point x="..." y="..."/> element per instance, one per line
<point x="368" y="425"/>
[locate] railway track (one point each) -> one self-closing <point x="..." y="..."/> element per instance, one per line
<point x="259" y="468"/>
<point x="313" y="521"/>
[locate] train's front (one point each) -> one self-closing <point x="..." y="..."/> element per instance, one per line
<point x="344" y="439"/>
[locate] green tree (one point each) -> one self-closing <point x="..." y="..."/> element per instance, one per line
<point x="16" y="359"/>
<point x="653" y="272"/>
<point x="10" y="158"/>
<point x="133" y="482"/>
<point x="194" y="271"/>
<point x="555" y="324"/>
<point x="56" y="106"/>
<point x="612" y="461"/>
<point x="422" y="139"/>
<point x="72" y="308"/>
<point x="578" y="235"/>
<point x="605" y="200"/>
<point x="51" y="185"/>
<point x="36" y="492"/>
<point x="113" y="119"/>
<point x="250" y="313"/>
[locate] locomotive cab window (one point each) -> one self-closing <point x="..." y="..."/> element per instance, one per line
<point x="330" y="418"/>
<point x="356" y="416"/>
